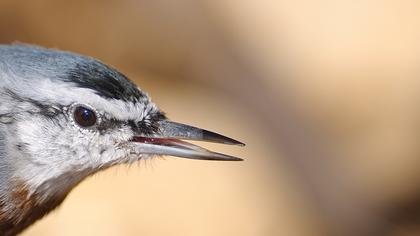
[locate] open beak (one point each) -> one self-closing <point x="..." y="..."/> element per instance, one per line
<point x="169" y="142"/>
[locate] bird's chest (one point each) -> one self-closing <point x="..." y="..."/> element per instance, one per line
<point x="19" y="210"/>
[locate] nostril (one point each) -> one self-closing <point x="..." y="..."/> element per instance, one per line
<point x="137" y="127"/>
<point x="141" y="127"/>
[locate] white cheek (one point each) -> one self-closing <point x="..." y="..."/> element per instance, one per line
<point x="104" y="149"/>
<point x="56" y="150"/>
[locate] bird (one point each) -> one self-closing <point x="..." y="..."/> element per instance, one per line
<point x="64" y="117"/>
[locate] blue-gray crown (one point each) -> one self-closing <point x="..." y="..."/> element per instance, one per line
<point x="85" y="72"/>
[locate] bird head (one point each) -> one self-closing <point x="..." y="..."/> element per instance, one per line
<point x="64" y="116"/>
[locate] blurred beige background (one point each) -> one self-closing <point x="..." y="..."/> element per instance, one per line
<point x="324" y="93"/>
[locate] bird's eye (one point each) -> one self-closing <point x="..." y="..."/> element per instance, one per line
<point x="84" y="117"/>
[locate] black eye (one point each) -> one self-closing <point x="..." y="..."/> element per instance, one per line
<point x="84" y="117"/>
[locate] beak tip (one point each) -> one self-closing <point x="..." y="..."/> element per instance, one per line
<point x="233" y="142"/>
<point x="214" y="137"/>
<point x="223" y="157"/>
<point x="241" y="144"/>
<point x="226" y="159"/>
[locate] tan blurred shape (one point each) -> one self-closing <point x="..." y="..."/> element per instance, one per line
<point x="325" y="94"/>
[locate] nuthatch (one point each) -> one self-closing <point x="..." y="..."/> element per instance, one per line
<point x="64" y="117"/>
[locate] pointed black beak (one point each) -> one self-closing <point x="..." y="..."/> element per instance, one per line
<point x="169" y="142"/>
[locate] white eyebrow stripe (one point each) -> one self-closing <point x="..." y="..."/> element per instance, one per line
<point x="67" y="93"/>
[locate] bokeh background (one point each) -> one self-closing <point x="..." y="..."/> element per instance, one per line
<point x="324" y="93"/>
